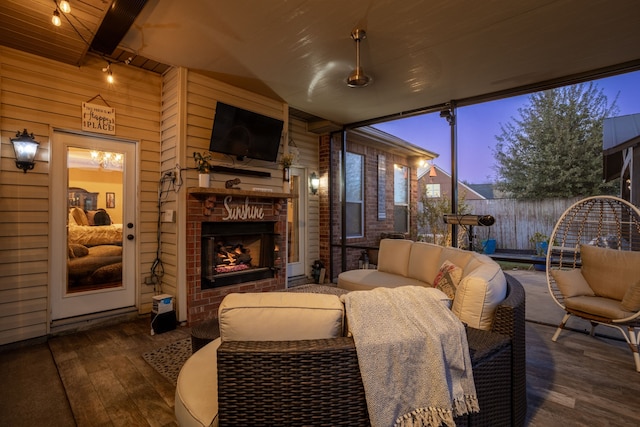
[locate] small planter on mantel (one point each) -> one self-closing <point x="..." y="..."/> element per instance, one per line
<point x="204" y="180"/>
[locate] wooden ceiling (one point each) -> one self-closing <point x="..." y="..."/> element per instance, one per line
<point x="26" y="25"/>
<point x="421" y="54"/>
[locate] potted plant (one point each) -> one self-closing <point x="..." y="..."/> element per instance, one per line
<point x="286" y="161"/>
<point x="204" y="167"/>
<point x="540" y="243"/>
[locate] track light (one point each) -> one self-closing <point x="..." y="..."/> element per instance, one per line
<point x="55" y="19"/>
<point x="65" y="7"/>
<point x="358" y="78"/>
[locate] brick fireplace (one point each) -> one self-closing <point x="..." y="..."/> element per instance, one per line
<point x="220" y="209"/>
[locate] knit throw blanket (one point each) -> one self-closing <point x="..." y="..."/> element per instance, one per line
<point x="413" y="356"/>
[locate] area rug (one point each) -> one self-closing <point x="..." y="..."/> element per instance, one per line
<point x="169" y="359"/>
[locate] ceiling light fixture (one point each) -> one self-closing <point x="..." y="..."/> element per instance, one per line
<point x="65" y="7"/>
<point x="358" y="78"/>
<point x="55" y="19"/>
<point x="107" y="160"/>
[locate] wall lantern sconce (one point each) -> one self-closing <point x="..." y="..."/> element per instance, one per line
<point x="25" y="148"/>
<point x="314" y="183"/>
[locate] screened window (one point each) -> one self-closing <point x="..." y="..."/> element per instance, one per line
<point x="355" y="194"/>
<point x="401" y="199"/>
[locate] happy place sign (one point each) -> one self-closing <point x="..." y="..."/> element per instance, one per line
<point x="98" y="118"/>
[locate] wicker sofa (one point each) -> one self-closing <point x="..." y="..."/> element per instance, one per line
<point x="317" y="382"/>
<point x="481" y="283"/>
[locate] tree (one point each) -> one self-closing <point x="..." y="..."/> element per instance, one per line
<point x="432" y="227"/>
<point x="555" y="148"/>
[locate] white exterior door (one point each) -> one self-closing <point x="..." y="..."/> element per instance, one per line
<point x="93" y="225"/>
<point x="297" y="223"/>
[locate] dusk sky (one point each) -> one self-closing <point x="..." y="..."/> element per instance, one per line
<point x="479" y="124"/>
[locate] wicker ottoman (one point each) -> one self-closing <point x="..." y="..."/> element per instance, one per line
<point x="203" y="333"/>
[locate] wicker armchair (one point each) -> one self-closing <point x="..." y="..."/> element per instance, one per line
<point x="317" y="382"/>
<point x="593" y="266"/>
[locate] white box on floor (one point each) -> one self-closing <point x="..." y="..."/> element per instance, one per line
<point x="162" y="303"/>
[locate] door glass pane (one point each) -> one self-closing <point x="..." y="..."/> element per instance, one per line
<point x="94" y="221"/>
<point x="293" y="220"/>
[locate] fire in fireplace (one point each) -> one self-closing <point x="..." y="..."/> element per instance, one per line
<point x="237" y="252"/>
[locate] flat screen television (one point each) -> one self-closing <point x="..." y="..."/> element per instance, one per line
<point x="243" y="133"/>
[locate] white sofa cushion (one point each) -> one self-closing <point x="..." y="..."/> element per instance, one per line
<point x="196" y="398"/>
<point x="393" y="256"/>
<point x="363" y="280"/>
<point x="280" y="316"/>
<point x="423" y="263"/>
<point x="456" y="256"/>
<point x="478" y="295"/>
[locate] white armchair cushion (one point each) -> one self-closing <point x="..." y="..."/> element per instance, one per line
<point x="280" y="316"/>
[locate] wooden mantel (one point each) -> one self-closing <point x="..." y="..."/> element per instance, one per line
<point x="205" y="193"/>
<point x="208" y="196"/>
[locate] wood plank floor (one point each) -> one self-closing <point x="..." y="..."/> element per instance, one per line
<point x="577" y="381"/>
<point x="580" y="380"/>
<point x="107" y="381"/>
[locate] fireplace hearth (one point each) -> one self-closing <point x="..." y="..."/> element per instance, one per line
<point x="239" y="219"/>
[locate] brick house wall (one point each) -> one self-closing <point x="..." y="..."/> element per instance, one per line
<point x="202" y="304"/>
<point x="331" y="208"/>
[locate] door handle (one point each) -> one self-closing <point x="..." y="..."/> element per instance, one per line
<point x="129" y="236"/>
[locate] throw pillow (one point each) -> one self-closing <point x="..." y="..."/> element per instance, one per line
<point x="571" y="283"/>
<point x="631" y="300"/>
<point x="77" y="251"/>
<point x="79" y="216"/>
<point x="448" y="278"/>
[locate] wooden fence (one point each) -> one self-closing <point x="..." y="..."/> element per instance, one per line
<point x="517" y="220"/>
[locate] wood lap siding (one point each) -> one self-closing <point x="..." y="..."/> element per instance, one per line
<point x="307" y="144"/>
<point x="202" y="93"/>
<point x="42" y="95"/>
<point x="188" y="108"/>
<point x="170" y="145"/>
<point x="169" y="117"/>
